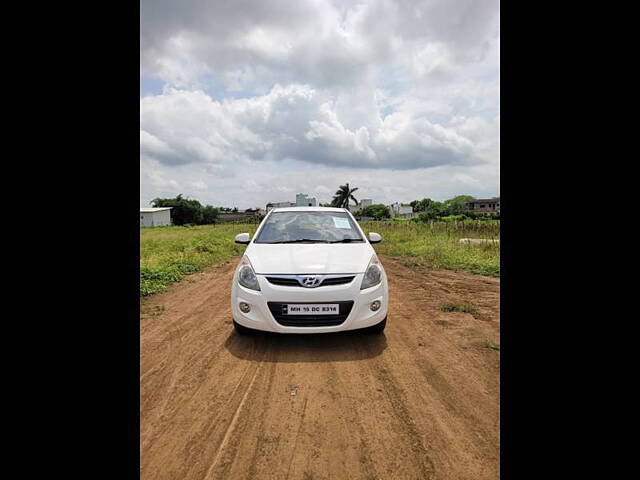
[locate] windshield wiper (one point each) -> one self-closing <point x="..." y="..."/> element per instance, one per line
<point x="303" y="240"/>
<point x="347" y="240"/>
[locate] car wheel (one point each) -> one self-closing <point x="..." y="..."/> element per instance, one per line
<point x="379" y="328"/>
<point x="241" y="330"/>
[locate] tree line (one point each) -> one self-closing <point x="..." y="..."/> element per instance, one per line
<point x="428" y="209"/>
<point x="186" y="211"/>
<point x="189" y="211"/>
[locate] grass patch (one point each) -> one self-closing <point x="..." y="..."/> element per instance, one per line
<point x="492" y="346"/>
<point x="452" y="307"/>
<point x="437" y="244"/>
<point x="153" y="311"/>
<point x="167" y="254"/>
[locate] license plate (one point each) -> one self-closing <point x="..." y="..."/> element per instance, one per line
<point x="311" y="309"/>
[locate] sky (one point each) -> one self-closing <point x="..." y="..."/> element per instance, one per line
<point x="245" y="102"/>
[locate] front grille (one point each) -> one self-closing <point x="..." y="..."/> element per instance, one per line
<point x="290" y="282"/>
<point x="337" y="281"/>
<point x="310" y="320"/>
<point x="293" y="282"/>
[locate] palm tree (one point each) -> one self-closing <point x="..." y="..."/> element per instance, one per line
<point x="342" y="197"/>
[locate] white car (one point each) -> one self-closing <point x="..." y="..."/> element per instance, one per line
<point x="309" y="270"/>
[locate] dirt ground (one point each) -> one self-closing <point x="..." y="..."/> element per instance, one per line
<point x="419" y="402"/>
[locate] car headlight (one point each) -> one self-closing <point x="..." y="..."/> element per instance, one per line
<point x="246" y="276"/>
<point x="373" y="274"/>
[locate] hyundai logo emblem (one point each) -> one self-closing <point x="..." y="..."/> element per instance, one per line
<point x="310" y="282"/>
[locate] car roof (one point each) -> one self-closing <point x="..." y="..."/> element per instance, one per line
<point x="309" y="209"/>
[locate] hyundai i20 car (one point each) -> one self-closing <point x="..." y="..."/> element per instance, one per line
<point x="309" y="270"/>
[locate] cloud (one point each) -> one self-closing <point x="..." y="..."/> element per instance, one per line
<point x="260" y="99"/>
<point x="293" y="122"/>
<point x="271" y="181"/>
<point x="253" y="44"/>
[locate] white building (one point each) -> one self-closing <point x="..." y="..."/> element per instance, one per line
<point x="155" y="217"/>
<point x="365" y="202"/>
<point x="303" y="201"/>
<point x="399" y="210"/>
<point x="273" y="205"/>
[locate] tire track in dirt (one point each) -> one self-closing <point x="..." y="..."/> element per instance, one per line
<point x="421" y="401"/>
<point x="348" y="381"/>
<point x="400" y="411"/>
<point x="157" y="411"/>
<point x="230" y="428"/>
<point x="295" y="442"/>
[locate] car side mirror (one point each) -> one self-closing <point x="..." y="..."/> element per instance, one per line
<point x="375" y="237"/>
<point x="243" y="238"/>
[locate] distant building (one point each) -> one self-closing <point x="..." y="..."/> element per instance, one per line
<point x="484" y="205"/>
<point x="272" y="205"/>
<point x="155" y="217"/>
<point x="302" y="200"/>
<point x="365" y="202"/>
<point x="400" y="210"/>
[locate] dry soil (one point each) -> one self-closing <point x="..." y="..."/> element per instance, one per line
<point x="419" y="402"/>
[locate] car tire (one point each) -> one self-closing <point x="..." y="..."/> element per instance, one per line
<point x="241" y="330"/>
<point x="379" y="328"/>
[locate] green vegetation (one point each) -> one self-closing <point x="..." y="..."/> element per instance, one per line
<point x="437" y="244"/>
<point x="492" y="346"/>
<point x="377" y="211"/>
<point x="453" y="208"/>
<point x="185" y="211"/>
<point x="452" y="307"/>
<point x="343" y="195"/>
<point x="169" y="253"/>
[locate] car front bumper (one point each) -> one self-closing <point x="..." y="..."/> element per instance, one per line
<point x="261" y="318"/>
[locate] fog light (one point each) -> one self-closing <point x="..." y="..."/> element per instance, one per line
<point x="245" y="307"/>
<point x="375" y="305"/>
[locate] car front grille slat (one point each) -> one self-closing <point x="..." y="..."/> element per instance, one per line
<point x="310" y="320"/>
<point x="293" y="282"/>
<point x="337" y="281"/>
<point x="289" y="282"/>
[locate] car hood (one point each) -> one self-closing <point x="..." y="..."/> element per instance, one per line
<point x="299" y="258"/>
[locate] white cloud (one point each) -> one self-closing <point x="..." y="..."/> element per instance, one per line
<point x="313" y="41"/>
<point x="400" y="96"/>
<point x="294" y="122"/>
<point x="199" y="186"/>
<point x="271" y="181"/>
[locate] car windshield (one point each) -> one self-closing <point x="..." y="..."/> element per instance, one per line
<point x="309" y="227"/>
